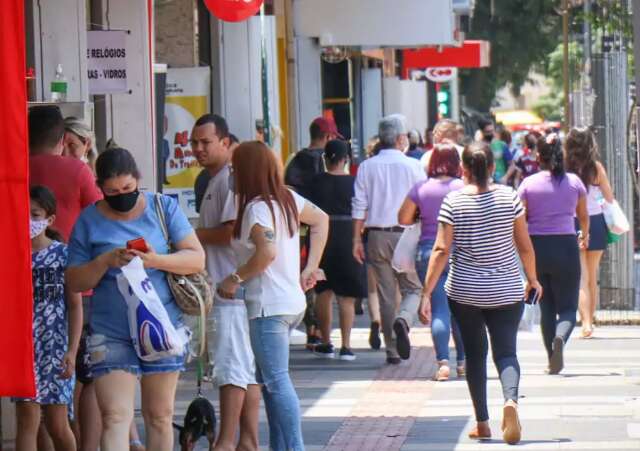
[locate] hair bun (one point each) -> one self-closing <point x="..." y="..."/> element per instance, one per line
<point x="336" y="150"/>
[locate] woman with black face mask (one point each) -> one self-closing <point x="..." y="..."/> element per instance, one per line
<point x="97" y="252"/>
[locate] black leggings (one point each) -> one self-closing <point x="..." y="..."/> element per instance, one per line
<point x="558" y="267"/>
<point x="502" y="323"/>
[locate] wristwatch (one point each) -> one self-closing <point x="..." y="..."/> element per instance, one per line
<point x="236" y="278"/>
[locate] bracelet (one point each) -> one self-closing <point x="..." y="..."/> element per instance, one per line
<point x="236" y="278"/>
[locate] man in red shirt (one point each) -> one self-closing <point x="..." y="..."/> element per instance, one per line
<point x="70" y="179"/>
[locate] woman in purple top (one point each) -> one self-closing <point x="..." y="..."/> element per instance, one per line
<point x="553" y="198"/>
<point x="424" y="201"/>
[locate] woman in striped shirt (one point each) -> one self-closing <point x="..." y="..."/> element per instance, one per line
<point x="484" y="286"/>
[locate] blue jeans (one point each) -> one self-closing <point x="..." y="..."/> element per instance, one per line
<point x="442" y="325"/>
<point x="270" y="343"/>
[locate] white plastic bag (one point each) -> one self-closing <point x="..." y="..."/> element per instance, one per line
<point x="530" y="317"/>
<point x="152" y="332"/>
<point x="404" y="255"/>
<point x="615" y="218"/>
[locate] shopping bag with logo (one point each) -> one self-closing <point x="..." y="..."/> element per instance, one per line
<point x="404" y="255"/>
<point x="152" y="332"/>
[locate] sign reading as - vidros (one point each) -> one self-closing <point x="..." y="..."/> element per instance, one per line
<point x="107" y="62"/>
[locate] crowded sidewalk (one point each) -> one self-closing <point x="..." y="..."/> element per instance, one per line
<point x="366" y="405"/>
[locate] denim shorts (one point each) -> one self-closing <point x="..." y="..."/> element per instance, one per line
<point x="106" y="354"/>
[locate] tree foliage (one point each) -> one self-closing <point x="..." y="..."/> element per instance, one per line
<point x="522" y="34"/>
<point x="551" y="106"/>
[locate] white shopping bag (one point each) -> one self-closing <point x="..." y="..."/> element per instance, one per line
<point x="404" y="255"/>
<point x="530" y="317"/>
<point x="152" y="332"/>
<point x="617" y="222"/>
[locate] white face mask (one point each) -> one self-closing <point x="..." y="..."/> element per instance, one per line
<point x="37" y="227"/>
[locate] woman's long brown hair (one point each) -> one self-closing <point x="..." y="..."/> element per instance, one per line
<point x="582" y="154"/>
<point x="259" y="175"/>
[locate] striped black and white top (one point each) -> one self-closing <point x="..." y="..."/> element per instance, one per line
<point x="484" y="269"/>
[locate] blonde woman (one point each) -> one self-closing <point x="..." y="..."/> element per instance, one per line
<point x="79" y="141"/>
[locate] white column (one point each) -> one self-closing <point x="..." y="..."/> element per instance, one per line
<point x="131" y="116"/>
<point x="60" y="38"/>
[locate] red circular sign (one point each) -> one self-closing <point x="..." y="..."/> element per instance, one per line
<point x="233" y="10"/>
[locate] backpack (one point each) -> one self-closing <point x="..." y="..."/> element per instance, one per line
<point x="302" y="169"/>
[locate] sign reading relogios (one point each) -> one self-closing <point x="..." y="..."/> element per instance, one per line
<point x="107" y="62"/>
<point x="234" y="10"/>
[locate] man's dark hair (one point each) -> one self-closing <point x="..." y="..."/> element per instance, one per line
<point x="115" y="162"/>
<point x="483" y="123"/>
<point x="315" y="132"/>
<point x="46" y="127"/>
<point x="222" y="129"/>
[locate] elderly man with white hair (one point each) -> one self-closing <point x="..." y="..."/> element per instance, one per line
<point x="381" y="185"/>
<point x="446" y="130"/>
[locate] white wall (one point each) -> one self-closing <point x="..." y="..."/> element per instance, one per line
<point x="371" y="102"/>
<point x="60" y="38"/>
<point x="396" y="23"/>
<point x="131" y="116"/>
<point x="240" y="64"/>
<point x="406" y="97"/>
<point x="308" y="87"/>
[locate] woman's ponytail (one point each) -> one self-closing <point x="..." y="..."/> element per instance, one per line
<point x="551" y="156"/>
<point x="478" y="159"/>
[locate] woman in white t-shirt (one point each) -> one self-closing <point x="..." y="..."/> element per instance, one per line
<point x="266" y="240"/>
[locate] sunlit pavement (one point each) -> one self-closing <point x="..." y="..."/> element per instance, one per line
<point x="368" y="405"/>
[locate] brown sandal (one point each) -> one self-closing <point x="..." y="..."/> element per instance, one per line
<point x="480" y="432"/>
<point x="511" y="429"/>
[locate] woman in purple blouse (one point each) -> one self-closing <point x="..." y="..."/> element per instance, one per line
<point x="553" y="198"/>
<point x="424" y="201"/>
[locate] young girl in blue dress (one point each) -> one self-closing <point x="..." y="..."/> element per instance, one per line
<point x="57" y="324"/>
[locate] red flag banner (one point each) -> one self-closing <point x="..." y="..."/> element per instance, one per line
<point x="233" y="10"/>
<point x="16" y="310"/>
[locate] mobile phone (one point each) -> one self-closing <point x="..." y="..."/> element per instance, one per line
<point x="533" y="297"/>
<point x="139" y="244"/>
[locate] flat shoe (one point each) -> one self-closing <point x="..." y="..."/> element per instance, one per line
<point x="480" y="433"/>
<point x="443" y="373"/>
<point x="374" y="335"/>
<point x="556" y="363"/>
<point x="511" y="429"/>
<point x="402" y="338"/>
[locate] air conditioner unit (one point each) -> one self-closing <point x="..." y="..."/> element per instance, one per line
<point x="463" y="7"/>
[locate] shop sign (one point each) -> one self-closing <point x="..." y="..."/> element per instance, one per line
<point x="107" y="62"/>
<point x="187" y="98"/>
<point x="233" y="10"/>
<point x="440" y="74"/>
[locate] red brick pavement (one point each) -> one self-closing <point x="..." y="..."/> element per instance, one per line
<point x="384" y="416"/>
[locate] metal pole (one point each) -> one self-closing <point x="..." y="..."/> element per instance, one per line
<point x="265" y="80"/>
<point x="565" y="65"/>
<point x="636" y="41"/>
<point x="587" y="36"/>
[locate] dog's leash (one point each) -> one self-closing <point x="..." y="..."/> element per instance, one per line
<point x="201" y="365"/>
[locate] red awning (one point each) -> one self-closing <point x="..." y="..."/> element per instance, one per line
<point x="471" y="55"/>
<point x="16" y="304"/>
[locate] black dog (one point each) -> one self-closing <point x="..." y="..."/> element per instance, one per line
<point x="199" y="421"/>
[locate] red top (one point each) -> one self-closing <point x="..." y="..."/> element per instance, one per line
<point x="71" y="181"/>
